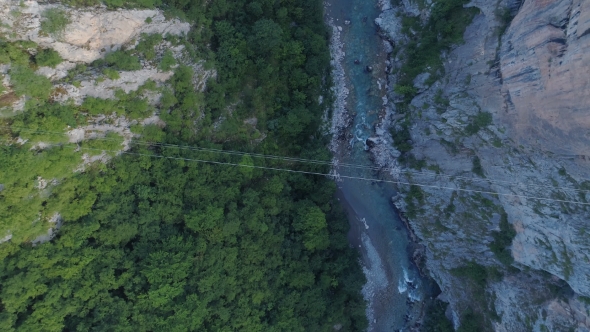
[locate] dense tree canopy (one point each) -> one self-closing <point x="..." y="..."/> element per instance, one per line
<point x="172" y="245"/>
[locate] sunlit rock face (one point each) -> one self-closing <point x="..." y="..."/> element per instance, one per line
<point x="545" y="61"/>
<point x="91" y="33"/>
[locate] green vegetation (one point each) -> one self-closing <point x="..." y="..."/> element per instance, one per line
<point x="110" y="143"/>
<point x="96" y="106"/>
<point x="167" y="61"/>
<point x="503" y="240"/>
<point x="481" y="120"/>
<point x="48" y="57"/>
<point x="405" y="90"/>
<point x="25" y="81"/>
<point x="504" y="16"/>
<point x="414" y="200"/>
<point x="15" y="53"/>
<point x="411" y="161"/>
<point x="474" y="271"/>
<point x="441" y="102"/>
<point x="496" y="142"/>
<point x="120" y="3"/>
<point x="472" y="322"/>
<point x="401" y="138"/>
<point x="477" y="168"/>
<point x="79" y="69"/>
<point x="111" y="73"/>
<point x="477" y="317"/>
<point x="146" y="47"/>
<point x="121" y="60"/>
<point x="155" y="241"/>
<point x="131" y="104"/>
<point x="162" y="249"/>
<point x="435" y="320"/>
<point x="445" y="28"/>
<point x="54" y="21"/>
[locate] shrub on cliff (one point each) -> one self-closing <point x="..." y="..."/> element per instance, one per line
<point x="477" y="168"/>
<point x="473" y="271"/>
<point x="111" y="73"/>
<point x="54" y="21"/>
<point x="26" y="82"/>
<point x="503" y="240"/>
<point x="122" y="61"/>
<point x="435" y="320"/>
<point x="48" y="57"/>
<point x="481" y="120"/>
<point x="167" y="61"/>
<point x="146" y="46"/>
<point x="401" y="138"/>
<point x="15" y="53"/>
<point x="445" y="27"/>
<point x="110" y="143"/>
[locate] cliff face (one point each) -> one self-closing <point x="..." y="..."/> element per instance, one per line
<point x="545" y="61"/>
<point x="534" y="82"/>
<point x="91" y="33"/>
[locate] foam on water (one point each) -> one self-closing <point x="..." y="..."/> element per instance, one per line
<point x="402" y="287"/>
<point x="375" y="274"/>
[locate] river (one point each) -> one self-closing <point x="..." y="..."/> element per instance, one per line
<point x="394" y="289"/>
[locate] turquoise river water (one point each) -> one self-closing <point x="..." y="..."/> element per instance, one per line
<point x="394" y="288"/>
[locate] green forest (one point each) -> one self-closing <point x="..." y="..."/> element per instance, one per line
<point x="154" y="240"/>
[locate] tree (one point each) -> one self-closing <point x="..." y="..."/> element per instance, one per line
<point x="266" y="37"/>
<point x="311" y="221"/>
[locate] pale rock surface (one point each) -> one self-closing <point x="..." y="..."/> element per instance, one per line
<point x="60" y="71"/>
<point x="92" y="33"/>
<point x="545" y="65"/>
<point x="128" y="81"/>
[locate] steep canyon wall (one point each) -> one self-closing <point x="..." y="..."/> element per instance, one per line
<point x="530" y="163"/>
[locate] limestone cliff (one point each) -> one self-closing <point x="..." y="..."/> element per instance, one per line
<point x="90" y="34"/>
<point x="545" y="65"/>
<point x="529" y="162"/>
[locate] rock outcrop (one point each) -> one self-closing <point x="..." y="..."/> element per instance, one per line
<point x="545" y="65"/>
<point x="91" y="33"/>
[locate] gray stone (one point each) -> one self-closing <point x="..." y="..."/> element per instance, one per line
<point x="420" y="82"/>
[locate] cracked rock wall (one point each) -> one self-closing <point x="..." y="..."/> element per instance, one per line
<point x="536" y="147"/>
<point x="545" y="65"/>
